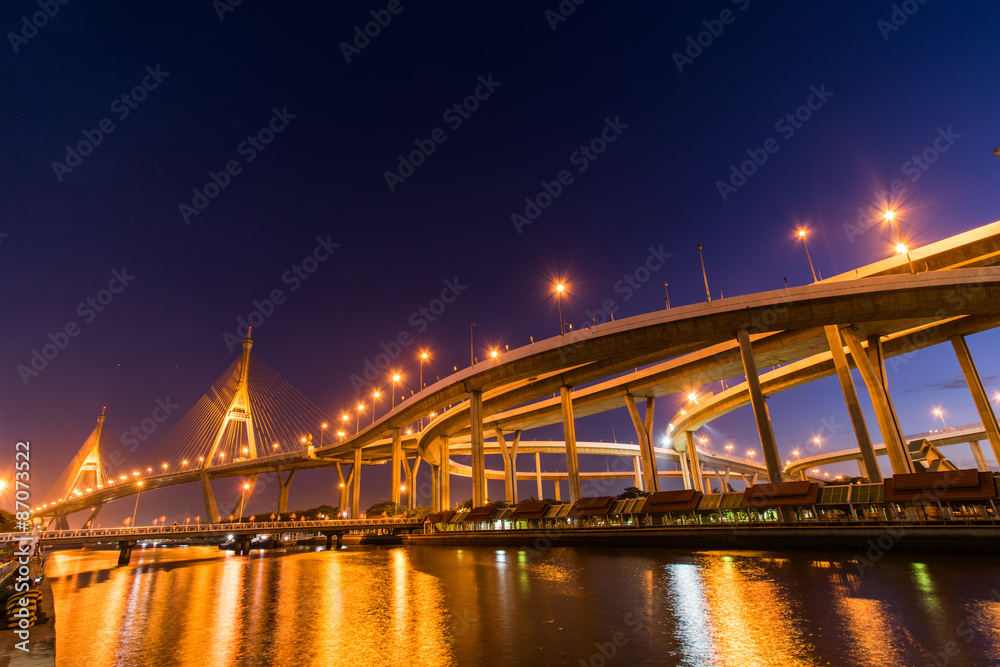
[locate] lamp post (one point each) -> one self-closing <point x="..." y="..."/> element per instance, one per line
<point x="357" y="425"/>
<point x="243" y="497"/>
<point x="402" y="491"/>
<point x="472" y="354"/>
<point x="322" y="432"/>
<point x="136" y="508"/>
<point x="802" y="235"/>
<point x="423" y="358"/>
<point x="560" y="288"/>
<point x="937" y="411"/>
<point x="375" y="396"/>
<point x="396" y="377"/>
<point x="704" y="274"/>
<point x="890" y="216"/>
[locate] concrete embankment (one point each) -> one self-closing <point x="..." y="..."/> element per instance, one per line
<point x="860" y="539"/>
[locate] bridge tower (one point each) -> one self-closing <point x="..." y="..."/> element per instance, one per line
<point x="84" y="470"/>
<point x="239" y="411"/>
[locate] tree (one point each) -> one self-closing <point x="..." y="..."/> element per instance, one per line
<point x="8" y="522"/>
<point x="631" y="492"/>
<point x="465" y="504"/>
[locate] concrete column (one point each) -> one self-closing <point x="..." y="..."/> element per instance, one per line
<point x="977" y="453"/>
<point x="643" y="429"/>
<point x="557" y="490"/>
<point x="538" y="475"/>
<point x="509" y="464"/>
<point x="283" y="486"/>
<point x="861" y="469"/>
<point x="211" y="507"/>
<point x="760" y="414"/>
<point x="685" y="470"/>
<point x="445" y="475"/>
<point x="978" y="392"/>
<point x="343" y="486"/>
<point x="869" y="462"/>
<point x="411" y="482"/>
<point x="899" y="458"/>
<point x="877" y="356"/>
<point x="478" y="457"/>
<point x="436" y="488"/>
<point x="397" y="458"/>
<point x="569" y="433"/>
<point x="694" y="462"/>
<point x="356" y="489"/>
<point x="638" y="473"/>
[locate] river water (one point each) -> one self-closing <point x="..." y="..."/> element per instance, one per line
<point x="427" y="605"/>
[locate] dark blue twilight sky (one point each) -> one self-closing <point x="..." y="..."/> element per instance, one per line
<point x="685" y="90"/>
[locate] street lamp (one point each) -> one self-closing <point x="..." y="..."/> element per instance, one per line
<point x="704" y="274"/>
<point x="750" y="454"/>
<point x="243" y="496"/>
<point x="795" y="453"/>
<point x="816" y="441"/>
<point x="472" y="354"/>
<point x="560" y="288"/>
<point x="940" y="414"/>
<point x="396" y="377"/>
<point x="494" y="354"/>
<point x="890" y="216"/>
<point x="402" y="491"/>
<point x="322" y="432"/>
<point x="375" y="396"/>
<point x="136" y="508"/>
<point x="729" y="449"/>
<point x="423" y="358"/>
<point x="802" y="235"/>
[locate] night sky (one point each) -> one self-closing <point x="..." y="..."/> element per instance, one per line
<point x="196" y="159"/>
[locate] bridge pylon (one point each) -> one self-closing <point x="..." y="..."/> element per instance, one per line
<point x="239" y="411"/>
<point x="83" y="472"/>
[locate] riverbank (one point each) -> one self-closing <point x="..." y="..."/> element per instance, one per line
<point x="859" y="539"/>
<point x="41" y="641"/>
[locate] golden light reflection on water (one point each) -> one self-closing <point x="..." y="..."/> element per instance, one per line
<point x="752" y="616"/>
<point x="304" y="608"/>
<point x="874" y="632"/>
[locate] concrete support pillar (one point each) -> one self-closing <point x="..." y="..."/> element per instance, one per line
<point x="125" y="552"/>
<point x="644" y="429"/>
<point x="685" y="469"/>
<point x="697" y="479"/>
<point x="760" y="414"/>
<point x="557" y="490"/>
<point x="211" y="507"/>
<point x="869" y="462"/>
<point x="862" y="471"/>
<point x="977" y="453"/>
<point x="283" y="486"/>
<point x="478" y="457"/>
<point x="638" y="473"/>
<point x="397" y="459"/>
<point x="356" y="488"/>
<point x="436" y="488"/>
<point x="411" y="481"/>
<point x="569" y="434"/>
<point x="538" y="475"/>
<point x="978" y="392"/>
<point x="877" y="356"/>
<point x="445" y="475"/>
<point x="899" y="457"/>
<point x="509" y="464"/>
